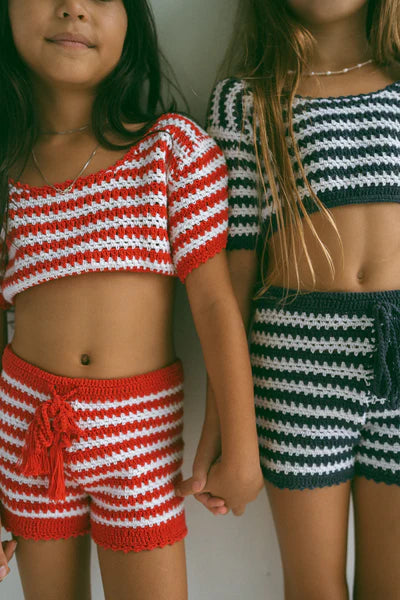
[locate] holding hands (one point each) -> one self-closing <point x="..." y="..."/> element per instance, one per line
<point x="221" y="484"/>
<point x="226" y="470"/>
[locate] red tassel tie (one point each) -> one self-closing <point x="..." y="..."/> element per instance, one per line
<point x="53" y="428"/>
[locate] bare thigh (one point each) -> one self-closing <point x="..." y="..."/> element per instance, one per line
<point x="158" y="574"/>
<point x="377" y="528"/>
<point x="55" y="569"/>
<point x="312" y="531"/>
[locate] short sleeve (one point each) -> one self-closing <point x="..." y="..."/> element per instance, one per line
<point x="229" y="123"/>
<point x="197" y="199"/>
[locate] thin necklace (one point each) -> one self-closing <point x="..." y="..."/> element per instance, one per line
<point x="340" y="72"/>
<point x="69" y="188"/>
<point x="67" y="131"/>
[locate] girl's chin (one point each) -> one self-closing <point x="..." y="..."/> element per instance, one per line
<point x="71" y="78"/>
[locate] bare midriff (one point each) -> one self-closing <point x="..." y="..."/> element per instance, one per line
<point x="369" y="259"/>
<point x="97" y="325"/>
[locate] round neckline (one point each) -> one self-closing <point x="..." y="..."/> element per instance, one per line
<point x="386" y="88"/>
<point x="85" y="179"/>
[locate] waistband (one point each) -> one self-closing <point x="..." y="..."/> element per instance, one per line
<point x="383" y="308"/>
<point x="342" y="301"/>
<point x="42" y="381"/>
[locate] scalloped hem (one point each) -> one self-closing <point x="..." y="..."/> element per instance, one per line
<point x="288" y="482"/>
<point x="387" y="478"/>
<point x="44" y="529"/>
<point x="112" y="538"/>
<point x="139" y="539"/>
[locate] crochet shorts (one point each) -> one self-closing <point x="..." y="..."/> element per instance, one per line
<point x="80" y="455"/>
<point x="326" y="370"/>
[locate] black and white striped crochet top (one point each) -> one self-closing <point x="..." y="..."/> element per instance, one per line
<point x="349" y="145"/>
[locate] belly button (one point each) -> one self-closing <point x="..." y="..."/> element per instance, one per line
<point x="85" y="359"/>
<point x="361" y="275"/>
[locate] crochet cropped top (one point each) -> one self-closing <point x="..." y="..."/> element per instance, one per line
<point x="349" y="146"/>
<point x="162" y="208"/>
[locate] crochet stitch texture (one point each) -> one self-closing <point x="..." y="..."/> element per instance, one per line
<point x="349" y="146"/>
<point x="325" y="365"/>
<point x="117" y="475"/>
<point x="162" y="208"/>
<point x="326" y="385"/>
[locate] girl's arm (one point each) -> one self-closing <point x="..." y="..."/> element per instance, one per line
<point x="229" y="123"/>
<point x="243" y="271"/>
<point x="236" y="477"/>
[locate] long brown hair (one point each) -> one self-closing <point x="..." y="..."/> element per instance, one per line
<point x="271" y="50"/>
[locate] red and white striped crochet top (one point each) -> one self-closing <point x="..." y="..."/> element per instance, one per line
<point x="162" y="208"/>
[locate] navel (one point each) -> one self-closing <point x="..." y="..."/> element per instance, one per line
<point x="361" y="275"/>
<point x="85" y="360"/>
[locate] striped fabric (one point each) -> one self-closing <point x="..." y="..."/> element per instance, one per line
<point x="349" y="146"/>
<point x="162" y="208"/>
<point x="327" y="391"/>
<point x="230" y="124"/>
<point x="119" y="470"/>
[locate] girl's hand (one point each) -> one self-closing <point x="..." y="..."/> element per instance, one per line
<point x="237" y="483"/>
<point x="208" y="452"/>
<point x="227" y="486"/>
<point x="196" y="486"/>
<point x="7" y="550"/>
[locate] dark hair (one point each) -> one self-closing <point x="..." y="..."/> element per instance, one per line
<point x="131" y="93"/>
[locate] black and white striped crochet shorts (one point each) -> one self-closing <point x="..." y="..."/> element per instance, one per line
<point x="326" y="370"/>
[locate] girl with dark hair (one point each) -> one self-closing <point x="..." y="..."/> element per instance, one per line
<point x="310" y="128"/>
<point x="91" y="391"/>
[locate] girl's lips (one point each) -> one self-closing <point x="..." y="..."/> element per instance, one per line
<point x="71" y="40"/>
<point x="69" y="43"/>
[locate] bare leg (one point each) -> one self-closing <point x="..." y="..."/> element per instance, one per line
<point x="377" y="526"/>
<point x="158" y="574"/>
<point x="55" y="569"/>
<point x="312" y="532"/>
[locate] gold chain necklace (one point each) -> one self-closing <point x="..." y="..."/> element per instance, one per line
<point x="71" y="185"/>
<point x="67" y="131"/>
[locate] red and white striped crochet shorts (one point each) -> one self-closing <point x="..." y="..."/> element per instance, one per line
<point x="98" y="455"/>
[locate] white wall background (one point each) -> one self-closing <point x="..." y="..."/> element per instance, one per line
<point x="228" y="558"/>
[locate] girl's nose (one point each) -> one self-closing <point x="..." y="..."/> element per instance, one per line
<point x="71" y="10"/>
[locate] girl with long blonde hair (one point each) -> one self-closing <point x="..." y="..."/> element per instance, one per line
<point x="310" y="128"/>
